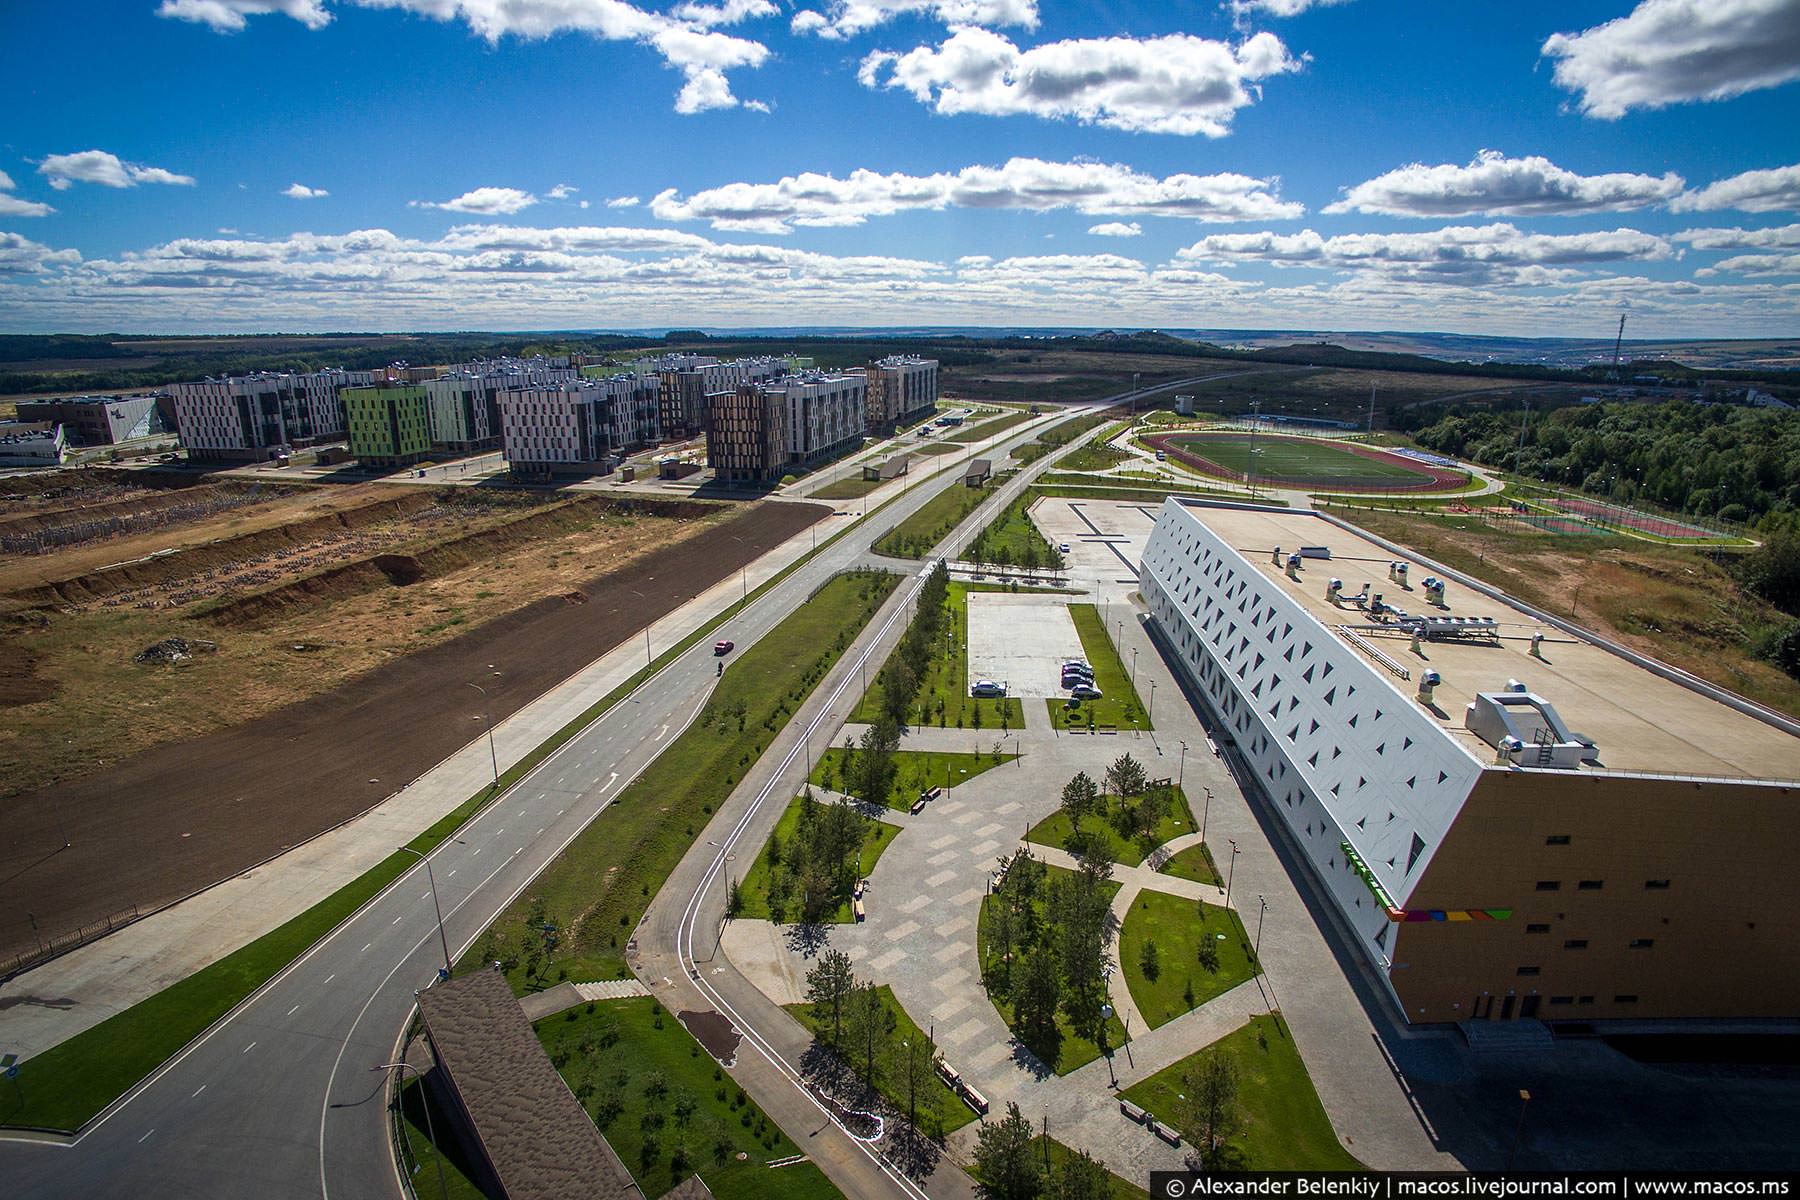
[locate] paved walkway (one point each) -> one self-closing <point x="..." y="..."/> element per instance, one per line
<point x="79" y="990"/>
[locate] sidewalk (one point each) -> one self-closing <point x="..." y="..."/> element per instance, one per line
<point x="67" y="995"/>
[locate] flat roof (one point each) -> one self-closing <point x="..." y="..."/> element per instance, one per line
<point x="539" y="1140"/>
<point x="1641" y="722"/>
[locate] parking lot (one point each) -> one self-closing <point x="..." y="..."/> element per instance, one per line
<point x="1021" y="640"/>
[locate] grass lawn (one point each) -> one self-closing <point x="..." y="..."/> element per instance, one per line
<point x="936" y="448"/>
<point x="1057" y="1154"/>
<point x="975" y="433"/>
<point x="1195" y="863"/>
<point x="1118" y="705"/>
<point x="943" y="698"/>
<point x="917" y="771"/>
<point x="1178" y="929"/>
<point x="1013" y="537"/>
<point x="1054" y="829"/>
<point x="755" y="886"/>
<point x="915" y="536"/>
<point x="637" y="1070"/>
<point x="845" y="489"/>
<point x="940" y="1109"/>
<point x="1285" y="1128"/>
<point x="1312" y="461"/>
<point x="599" y="886"/>
<point x="1075" y="1051"/>
<point x="1095" y="456"/>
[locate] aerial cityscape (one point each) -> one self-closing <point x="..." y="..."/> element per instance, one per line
<point x="915" y="599"/>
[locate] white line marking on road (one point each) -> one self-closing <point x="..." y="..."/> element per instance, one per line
<point x="499" y="831"/>
<point x="452" y="873"/>
<point x="293" y="1010"/>
<point x="659" y="737"/>
<point x="477" y="851"/>
<point x="540" y="829"/>
<point x="520" y="850"/>
<point x="365" y="949"/>
<point x="145" y="1138"/>
<point x="197" y="1091"/>
<point x="329" y="978"/>
<point x="397" y="920"/>
<point x="248" y="1049"/>
<point x="561" y="811"/>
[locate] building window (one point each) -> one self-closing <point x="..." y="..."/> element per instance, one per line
<point x="1562" y="999"/>
<point x="1549" y="885"/>
<point x="1656" y="885"/>
<point x="1590" y="885"/>
<point x="1640" y="943"/>
<point x="1628" y="998"/>
<point x="1575" y="944"/>
<point x="1537" y="928"/>
<point x="1557" y="839"/>
<point x="1528" y="971"/>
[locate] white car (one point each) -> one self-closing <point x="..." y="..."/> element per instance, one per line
<point x="1063" y="546"/>
<point x="987" y="687"/>
<point x="1086" y="691"/>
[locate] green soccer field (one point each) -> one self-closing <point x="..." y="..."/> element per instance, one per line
<point x="1307" y="461"/>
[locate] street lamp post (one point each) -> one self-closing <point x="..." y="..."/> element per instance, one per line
<point x="1204" y="813"/>
<point x="432" y="880"/>
<point x="1150" y="717"/>
<point x="437" y="1153"/>
<point x="1134" y="668"/>
<point x="1180" y="773"/>
<point x="1231" y="872"/>
<point x="1519" y="1130"/>
<point x="648" y="661"/>
<point x="488" y="719"/>
<point x="1262" y="906"/>
<point x="1106" y="1012"/>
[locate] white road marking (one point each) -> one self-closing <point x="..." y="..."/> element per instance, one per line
<point x="145" y="1138"/>
<point x="477" y="851"/>
<point x="293" y="1010"/>
<point x="365" y="949"/>
<point x="329" y="978"/>
<point x="197" y="1091"/>
<point x="659" y="737"/>
<point x="452" y="872"/>
<point x="540" y="829"/>
<point x="248" y="1049"/>
<point x="396" y="920"/>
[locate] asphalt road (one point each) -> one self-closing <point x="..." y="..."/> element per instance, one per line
<point x="280" y="1099"/>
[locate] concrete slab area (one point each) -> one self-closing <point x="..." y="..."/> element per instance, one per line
<point x="1021" y="640"/>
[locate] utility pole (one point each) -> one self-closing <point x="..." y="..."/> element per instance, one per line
<point x="488" y="719"/>
<point x="1250" y="463"/>
<point x="1617" y="343"/>
<point x="1371" y="410"/>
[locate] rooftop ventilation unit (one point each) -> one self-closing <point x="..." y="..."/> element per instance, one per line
<point x="1526" y="730"/>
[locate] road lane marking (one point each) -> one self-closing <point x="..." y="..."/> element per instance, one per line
<point x="397" y="920"/>
<point x="659" y="737"/>
<point x="145" y="1138"/>
<point x="293" y="1010"/>
<point x="452" y="873"/>
<point x="477" y="851"/>
<point x="248" y="1049"/>
<point x="329" y="978"/>
<point x="197" y="1091"/>
<point x="540" y="829"/>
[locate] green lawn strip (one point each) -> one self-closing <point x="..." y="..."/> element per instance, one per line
<point x="943" y="698"/>
<point x="597" y="889"/>
<point x="1012" y="538"/>
<point x="1195" y="863"/>
<point x="754" y="887"/>
<point x="1054" y="829"/>
<point x="1284" y="1126"/>
<point x="418" y="1155"/>
<point x="940" y="1109"/>
<point x="1050" y="1156"/>
<point x="637" y="1071"/>
<point x="915" y="771"/>
<point x="1176" y="926"/>
<point x="1095" y="456"/>
<point x="844" y="489"/>
<point x="987" y="429"/>
<point x="1118" y="705"/>
<point x="915" y="536"/>
<point x="936" y="448"/>
<point x="1076" y="1051"/>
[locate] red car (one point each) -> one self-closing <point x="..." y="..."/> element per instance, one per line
<point x="720" y="648"/>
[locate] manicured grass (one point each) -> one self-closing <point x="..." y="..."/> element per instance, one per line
<point x="1075" y="1050"/>
<point x="1178" y="929"/>
<point x="1302" y="460"/>
<point x="1095" y="456"/>
<point x="618" y="1055"/>
<point x="597" y="889"/>
<point x="1012" y="538"/>
<point x="1284" y="1126"/>
<point x="1070" y="486"/>
<point x="987" y="429"/>
<point x="1054" y="829"/>
<point x="844" y="489"/>
<point x="943" y="698"/>
<point x="940" y="1109"/>
<point x="936" y="448"/>
<point x="915" y="536"/>
<point x="1195" y="863"/>
<point x="917" y="770"/>
<point x="1118" y="705"/>
<point x="755" y="885"/>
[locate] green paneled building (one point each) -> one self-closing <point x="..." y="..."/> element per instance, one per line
<point x="389" y="426"/>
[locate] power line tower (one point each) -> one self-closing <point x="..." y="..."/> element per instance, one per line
<point x="1617" y="343"/>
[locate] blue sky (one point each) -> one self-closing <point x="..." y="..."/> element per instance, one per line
<point x="238" y="165"/>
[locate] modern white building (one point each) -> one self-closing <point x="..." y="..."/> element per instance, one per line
<point x="30" y="444"/>
<point x="249" y="417"/>
<point x="586" y="425"/>
<point x="1512" y="818"/>
<point x="902" y="387"/>
<point x="99" y="420"/>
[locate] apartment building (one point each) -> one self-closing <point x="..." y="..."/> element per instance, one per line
<point x="582" y="426"/>
<point x="389" y="424"/>
<point x="1509" y="818"/>
<point x="762" y="431"/>
<point x="686" y="386"/>
<point x="253" y="417"/>
<point x="902" y="388"/>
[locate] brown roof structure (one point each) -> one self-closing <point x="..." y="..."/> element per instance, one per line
<point x="534" y="1134"/>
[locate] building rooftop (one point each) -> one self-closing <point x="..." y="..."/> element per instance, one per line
<point x="1639" y="721"/>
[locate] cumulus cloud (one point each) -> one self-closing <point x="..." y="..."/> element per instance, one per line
<point x="1118" y="229"/>
<point x="685" y="39"/>
<point x="487" y="201"/>
<point x="1774" y="190"/>
<point x="623" y="202"/>
<point x="1495" y="185"/>
<point x="847" y="18"/>
<point x="1175" y="84"/>
<point x="98" y="166"/>
<point x="1672" y="51"/>
<point x="561" y="191"/>
<point x="1244" y="9"/>
<point x="1101" y="189"/>
<point x="1741" y="239"/>
<point x="1489" y="252"/>
<point x="19" y="255"/>
<point x="299" y="191"/>
<point x="12" y="206"/>
<point x="1754" y="265"/>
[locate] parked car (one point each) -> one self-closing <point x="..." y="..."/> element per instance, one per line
<point x="1063" y="546"/>
<point x="1073" y="673"/>
<point x="1079" y="663"/>
<point x="1161" y="456"/>
<point x="1085" y="691"/>
<point x="987" y="687"/>
<point x="724" y="647"/>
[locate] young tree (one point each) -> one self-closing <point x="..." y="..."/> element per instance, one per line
<point x="1212" y="1114"/>
<point x="1034" y="1006"/>
<point x="1002" y="930"/>
<point x="871" y="1024"/>
<point x="829" y="986"/>
<point x="920" y="1066"/>
<point x="1083" y="1178"/>
<point x="1208" y="954"/>
<point x="1126" y="776"/>
<point x="874" y="777"/>
<point x="734" y="899"/>
<point x="1080" y="797"/>
<point x="1149" y="960"/>
<point x="1003" y="1159"/>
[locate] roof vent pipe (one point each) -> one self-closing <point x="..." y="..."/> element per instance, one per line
<point x="1428" y="683"/>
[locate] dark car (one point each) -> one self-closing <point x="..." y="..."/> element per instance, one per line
<point x="724" y="647"/>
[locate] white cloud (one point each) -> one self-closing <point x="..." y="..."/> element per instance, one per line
<point x="19" y="255"/>
<point x="1779" y="237"/>
<point x="623" y="202"/>
<point x="1175" y="84"/>
<point x="1495" y="185"/>
<point x="847" y="18"/>
<point x="1244" y="9"/>
<point x="561" y="191"/>
<point x="1774" y="190"/>
<point x="98" y="166"/>
<point x="12" y="206"/>
<point x="1670" y="51"/>
<point x="488" y="201"/>
<point x="299" y="191"/>
<point x="1754" y="265"/>
<point x="1118" y="229"/>
<point x="813" y="199"/>
<point x="685" y="39"/>
<point x="1493" y="253"/>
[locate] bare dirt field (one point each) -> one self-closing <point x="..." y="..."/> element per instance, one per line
<point x="1053" y="376"/>
<point x="387" y="663"/>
